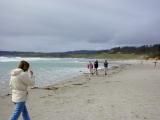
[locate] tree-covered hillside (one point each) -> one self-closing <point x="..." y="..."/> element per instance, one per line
<point x="127" y="52"/>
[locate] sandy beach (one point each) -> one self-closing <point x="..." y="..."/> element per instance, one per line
<point x="128" y="92"/>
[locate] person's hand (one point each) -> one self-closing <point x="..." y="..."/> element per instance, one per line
<point x="31" y="72"/>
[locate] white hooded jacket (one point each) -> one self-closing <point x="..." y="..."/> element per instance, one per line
<point x="19" y="83"/>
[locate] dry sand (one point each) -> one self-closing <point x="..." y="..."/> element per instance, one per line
<point x="129" y="92"/>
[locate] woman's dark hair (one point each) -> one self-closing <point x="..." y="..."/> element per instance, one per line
<point x="24" y="65"/>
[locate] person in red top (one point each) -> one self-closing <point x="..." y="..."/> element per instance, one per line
<point x="90" y="67"/>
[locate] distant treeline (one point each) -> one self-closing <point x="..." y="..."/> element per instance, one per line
<point x="152" y="51"/>
<point x="146" y="49"/>
<point x="29" y="54"/>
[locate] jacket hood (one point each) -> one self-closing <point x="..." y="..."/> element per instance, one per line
<point x="16" y="71"/>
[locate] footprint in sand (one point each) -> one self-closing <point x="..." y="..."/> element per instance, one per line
<point x="108" y="81"/>
<point x="78" y="84"/>
<point x="117" y="81"/>
<point x="112" y="106"/>
<point x="42" y="97"/>
<point x="90" y="101"/>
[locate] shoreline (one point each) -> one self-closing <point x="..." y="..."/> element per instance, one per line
<point x="81" y="74"/>
<point x="116" y="64"/>
<point x="83" y="78"/>
<point x="72" y="80"/>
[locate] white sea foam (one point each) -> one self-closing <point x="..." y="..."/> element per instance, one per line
<point x="11" y="59"/>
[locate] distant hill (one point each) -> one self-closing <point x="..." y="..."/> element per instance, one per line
<point x="41" y="54"/>
<point x="81" y="52"/>
<point x="126" y="52"/>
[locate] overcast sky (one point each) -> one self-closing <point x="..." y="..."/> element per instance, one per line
<point x="64" y="25"/>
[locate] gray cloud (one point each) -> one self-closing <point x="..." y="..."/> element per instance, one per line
<point x="60" y="25"/>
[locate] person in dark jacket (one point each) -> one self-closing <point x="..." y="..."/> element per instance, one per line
<point x="96" y="67"/>
<point x="105" y="67"/>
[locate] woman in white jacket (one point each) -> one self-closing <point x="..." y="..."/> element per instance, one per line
<point x="21" y="78"/>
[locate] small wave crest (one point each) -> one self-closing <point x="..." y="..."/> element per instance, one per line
<point x="14" y="59"/>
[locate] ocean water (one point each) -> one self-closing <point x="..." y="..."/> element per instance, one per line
<point x="47" y="70"/>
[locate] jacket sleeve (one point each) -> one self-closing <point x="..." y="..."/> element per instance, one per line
<point x="27" y="79"/>
<point x="10" y="84"/>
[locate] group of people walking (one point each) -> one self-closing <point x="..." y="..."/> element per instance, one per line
<point x="93" y="67"/>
